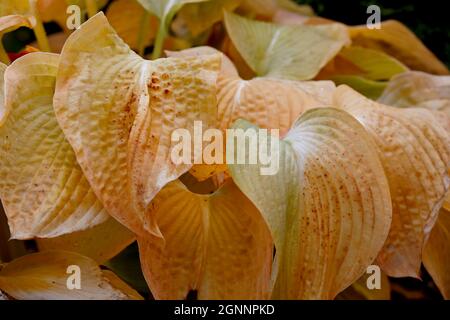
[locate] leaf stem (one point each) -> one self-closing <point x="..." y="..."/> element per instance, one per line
<point x="3" y="55"/>
<point x="159" y="41"/>
<point x="92" y="7"/>
<point x="144" y="31"/>
<point x="39" y="30"/>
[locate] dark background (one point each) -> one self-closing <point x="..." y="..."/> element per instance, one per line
<point x="429" y="19"/>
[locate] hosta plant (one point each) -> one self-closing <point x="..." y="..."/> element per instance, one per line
<point x="362" y="153"/>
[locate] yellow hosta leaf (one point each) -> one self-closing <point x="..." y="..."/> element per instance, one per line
<point x="100" y="243"/>
<point x="173" y="96"/>
<point x="418" y="89"/>
<point x="375" y="65"/>
<point x="45" y="276"/>
<point x="125" y="16"/>
<point x="365" y="70"/>
<point x="13" y="22"/>
<point x="287" y="52"/>
<point x="198" y="17"/>
<point x="436" y="254"/>
<point x="53" y="10"/>
<point x="127" y="108"/>
<point x="328" y="207"/>
<point x="216" y="244"/>
<point x="415" y="152"/>
<point x="269" y="103"/>
<point x="42" y="187"/>
<point x="227" y="70"/>
<point x="398" y="41"/>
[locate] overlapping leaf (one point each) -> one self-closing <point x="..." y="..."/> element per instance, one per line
<point x="268" y="102"/>
<point x="198" y="17"/>
<point x="42" y="187"/>
<point x="398" y="41"/>
<point x="328" y="207"/>
<point x="13" y="22"/>
<point x="126" y="17"/>
<point x="44" y="276"/>
<point x="365" y="70"/>
<point x="100" y="243"/>
<point x="126" y="110"/>
<point x="418" y="89"/>
<point x="287" y="52"/>
<point x="369" y="88"/>
<point x="415" y="152"/>
<point x="215" y="244"/>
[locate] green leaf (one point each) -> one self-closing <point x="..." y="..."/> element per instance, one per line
<point x="287" y="52"/>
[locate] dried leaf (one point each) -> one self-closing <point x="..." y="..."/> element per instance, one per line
<point x="418" y="89"/>
<point x="269" y="103"/>
<point x="198" y="17"/>
<point x="368" y="63"/>
<point x="45" y="276"/>
<point x="100" y="243"/>
<point x="328" y="207"/>
<point x="125" y="16"/>
<point x="127" y="108"/>
<point x="42" y="187"/>
<point x="215" y="244"/>
<point x="415" y="152"/>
